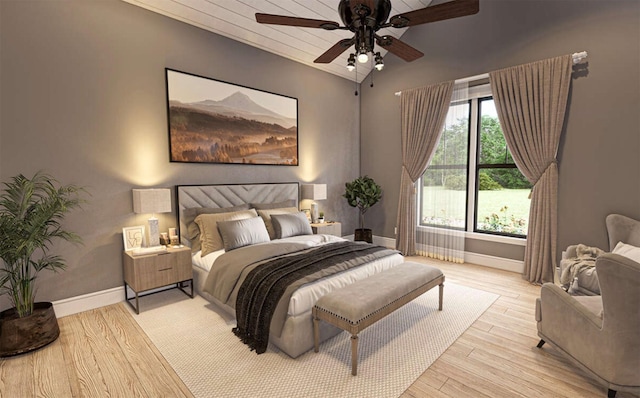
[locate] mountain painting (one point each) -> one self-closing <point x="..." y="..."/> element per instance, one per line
<point x="216" y="122"/>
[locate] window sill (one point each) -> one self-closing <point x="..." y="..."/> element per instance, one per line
<point x="480" y="236"/>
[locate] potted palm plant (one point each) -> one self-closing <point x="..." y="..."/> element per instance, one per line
<point x="363" y="192"/>
<point x="31" y="212"/>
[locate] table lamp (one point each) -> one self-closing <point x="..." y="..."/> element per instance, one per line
<point x="314" y="192"/>
<point x="152" y="201"/>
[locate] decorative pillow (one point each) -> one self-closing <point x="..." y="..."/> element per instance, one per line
<point x="628" y="251"/>
<point x="266" y="216"/>
<point x="285" y="225"/>
<point x="210" y="238"/>
<point x="190" y="214"/>
<point x="277" y="205"/>
<point x="240" y="233"/>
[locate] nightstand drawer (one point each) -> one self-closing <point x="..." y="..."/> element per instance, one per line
<point x="162" y="270"/>
<point x="149" y="272"/>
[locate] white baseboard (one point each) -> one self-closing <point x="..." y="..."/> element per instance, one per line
<point x="505" y="264"/>
<point x="86" y="302"/>
<point x="384" y="241"/>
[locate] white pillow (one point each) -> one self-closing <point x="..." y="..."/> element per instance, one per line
<point x="628" y="251"/>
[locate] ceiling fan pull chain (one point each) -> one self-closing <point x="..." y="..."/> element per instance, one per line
<point x="355" y="81"/>
<point x="372" y="69"/>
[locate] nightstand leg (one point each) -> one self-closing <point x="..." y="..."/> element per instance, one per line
<point x="128" y="299"/>
<point x="180" y="285"/>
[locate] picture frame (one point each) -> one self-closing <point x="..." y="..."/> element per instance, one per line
<point x="133" y="237"/>
<point x="212" y="121"/>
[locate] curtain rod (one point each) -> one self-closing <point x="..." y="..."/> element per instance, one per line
<point x="577" y="58"/>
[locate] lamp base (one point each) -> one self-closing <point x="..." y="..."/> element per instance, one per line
<point x="314" y="212"/>
<point x="154" y="232"/>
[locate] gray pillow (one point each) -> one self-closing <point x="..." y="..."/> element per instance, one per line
<point x="266" y="216"/>
<point x="293" y="224"/>
<point x="240" y="233"/>
<point x="190" y="214"/>
<point x="276" y="205"/>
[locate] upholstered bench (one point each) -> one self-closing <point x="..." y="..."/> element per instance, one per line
<point x="357" y="306"/>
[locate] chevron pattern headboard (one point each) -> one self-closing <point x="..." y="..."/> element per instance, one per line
<point x="216" y="196"/>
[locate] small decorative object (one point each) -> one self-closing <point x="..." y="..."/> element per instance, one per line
<point x="314" y="192"/>
<point x="152" y="201"/>
<point x="363" y="192"/>
<point x="31" y="214"/>
<point x="241" y="125"/>
<point x="133" y="237"/>
<point x="164" y="239"/>
<point x="321" y="217"/>
<point x="173" y="237"/>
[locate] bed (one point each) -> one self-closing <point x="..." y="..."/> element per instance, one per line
<point x="278" y="201"/>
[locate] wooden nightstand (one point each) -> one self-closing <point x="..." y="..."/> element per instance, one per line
<point x="328" y="228"/>
<point x="152" y="271"/>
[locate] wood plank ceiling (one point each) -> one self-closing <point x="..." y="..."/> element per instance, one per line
<point x="235" y="19"/>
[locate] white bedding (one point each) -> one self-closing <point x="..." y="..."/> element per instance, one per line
<point x="304" y="298"/>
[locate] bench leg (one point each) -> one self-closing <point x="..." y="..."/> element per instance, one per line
<point x="316" y="335"/>
<point x="441" y="291"/>
<point x="354" y="354"/>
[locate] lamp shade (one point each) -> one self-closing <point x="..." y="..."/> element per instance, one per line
<point x="314" y="191"/>
<point x="152" y="200"/>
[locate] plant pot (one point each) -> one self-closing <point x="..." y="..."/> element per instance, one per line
<point x="20" y="335"/>
<point x="363" y="235"/>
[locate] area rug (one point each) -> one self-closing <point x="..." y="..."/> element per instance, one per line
<point x="196" y="339"/>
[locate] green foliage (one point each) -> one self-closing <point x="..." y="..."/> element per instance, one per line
<point x="456" y="182"/>
<point x="486" y="183"/>
<point x="363" y="192"/>
<point x="453" y="147"/>
<point x="509" y="178"/>
<point x="31" y="212"/>
<point x="504" y="223"/>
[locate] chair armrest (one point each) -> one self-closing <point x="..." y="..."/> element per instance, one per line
<point x="558" y="304"/>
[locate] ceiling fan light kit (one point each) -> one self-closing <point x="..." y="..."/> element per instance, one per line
<point x="366" y="17"/>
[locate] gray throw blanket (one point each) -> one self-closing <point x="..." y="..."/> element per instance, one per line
<point x="585" y="258"/>
<point x="265" y="286"/>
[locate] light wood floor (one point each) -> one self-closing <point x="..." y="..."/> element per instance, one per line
<point x="104" y="352"/>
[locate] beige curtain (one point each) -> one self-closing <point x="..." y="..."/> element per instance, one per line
<point x="531" y="100"/>
<point x="449" y="206"/>
<point x="423" y="112"/>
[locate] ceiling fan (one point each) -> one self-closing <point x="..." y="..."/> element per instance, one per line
<point x="365" y="18"/>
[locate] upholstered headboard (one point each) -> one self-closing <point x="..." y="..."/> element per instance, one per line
<point x="217" y="196"/>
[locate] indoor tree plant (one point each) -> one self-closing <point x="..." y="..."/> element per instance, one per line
<point x="31" y="212"/>
<point x="363" y="192"/>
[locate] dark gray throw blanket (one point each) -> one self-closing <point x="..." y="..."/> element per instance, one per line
<point x="263" y="287"/>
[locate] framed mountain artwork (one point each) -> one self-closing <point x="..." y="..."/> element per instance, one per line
<point x="211" y="121"/>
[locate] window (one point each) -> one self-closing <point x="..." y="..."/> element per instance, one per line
<point x="472" y="182"/>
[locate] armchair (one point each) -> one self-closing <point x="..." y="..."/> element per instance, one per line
<point x="599" y="334"/>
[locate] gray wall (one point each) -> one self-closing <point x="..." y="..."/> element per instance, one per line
<point x="83" y="98"/>
<point x="598" y="157"/>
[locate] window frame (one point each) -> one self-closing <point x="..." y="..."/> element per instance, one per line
<point x="476" y="94"/>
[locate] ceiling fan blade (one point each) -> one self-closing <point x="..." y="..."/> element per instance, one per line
<point x="334" y="51"/>
<point x="398" y="48"/>
<point x="294" y="21"/>
<point x="440" y="12"/>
